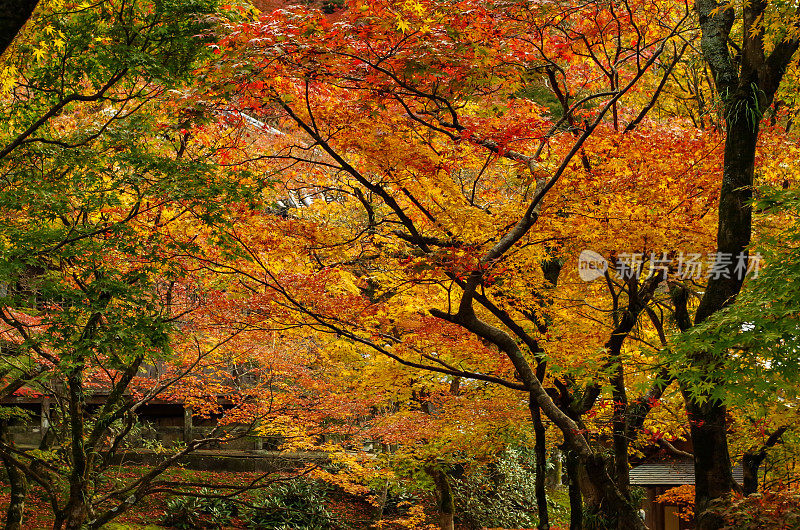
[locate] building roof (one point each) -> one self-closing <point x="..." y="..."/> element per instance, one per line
<point x="675" y="472"/>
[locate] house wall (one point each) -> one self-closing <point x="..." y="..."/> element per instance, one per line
<point x="654" y="512"/>
<point x="671" y="520"/>
<point x="659" y="516"/>
<point x="167" y="423"/>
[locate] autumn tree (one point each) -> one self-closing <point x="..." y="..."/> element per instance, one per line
<point x="747" y="75"/>
<point x="425" y="115"/>
<point x="753" y="343"/>
<point x="103" y="188"/>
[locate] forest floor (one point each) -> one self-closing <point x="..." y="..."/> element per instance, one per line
<point x="355" y="512"/>
<point x="149" y="513"/>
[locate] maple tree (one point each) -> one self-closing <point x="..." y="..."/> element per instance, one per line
<point x="363" y="227"/>
<point x="426" y="117"/>
<point x="747" y="77"/>
<point x="418" y="113"/>
<point x="103" y="186"/>
<point x="752" y="341"/>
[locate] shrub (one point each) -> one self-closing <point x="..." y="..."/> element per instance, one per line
<point x="189" y="512"/>
<point x="501" y="494"/>
<point x="297" y="504"/>
<point x="771" y="510"/>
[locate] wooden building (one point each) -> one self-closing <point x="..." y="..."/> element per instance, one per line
<point x="657" y="477"/>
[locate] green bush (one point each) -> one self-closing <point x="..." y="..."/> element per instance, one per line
<point x="501" y="494"/>
<point x="297" y="504"/>
<point x="204" y="512"/>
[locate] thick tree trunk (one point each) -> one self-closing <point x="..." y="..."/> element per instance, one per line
<point x="712" y="462"/>
<point x="445" y="501"/>
<point x="540" y="451"/>
<point x="19" y="488"/>
<point x="590" y="480"/>
<point x="750" y="466"/>
<point x="575" y="496"/>
<point x="13" y="16"/>
<point x="620" y="430"/>
<point x="713" y="476"/>
<point x="77" y="515"/>
<point x="612" y="506"/>
<point x="446" y="521"/>
<point x="735" y="212"/>
<point x="752" y="460"/>
<point x="76" y="511"/>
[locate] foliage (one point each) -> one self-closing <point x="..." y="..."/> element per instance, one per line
<point x="754" y="339"/>
<point x="682" y="497"/>
<point x="362" y="227"/>
<point x="14" y="415"/>
<point x="430" y="197"/>
<point x="457" y="188"/>
<point x="296" y="504"/>
<point x="499" y="495"/>
<point x="202" y="511"/>
<point x="100" y="190"/>
<point x="414" y="518"/>
<point x="399" y="501"/>
<point x="763" y="511"/>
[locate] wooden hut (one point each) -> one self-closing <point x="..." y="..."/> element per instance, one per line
<point x="657" y="477"/>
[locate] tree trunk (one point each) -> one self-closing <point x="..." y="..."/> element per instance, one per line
<point x="76" y="514"/>
<point x="444" y="499"/>
<point x="13" y="16"/>
<point x="713" y="476"/>
<point x="575" y="496"/>
<point x="590" y="481"/>
<point x="446" y="521"/>
<point x="19" y="490"/>
<point x="19" y="487"/>
<point x="614" y="507"/>
<point x="540" y="450"/>
<point x="620" y="430"/>
<point x="752" y="460"/>
<point x="735" y="212"/>
<point x="712" y="463"/>
<point x="76" y="510"/>
<point x="750" y="466"/>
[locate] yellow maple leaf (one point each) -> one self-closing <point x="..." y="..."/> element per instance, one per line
<point x="402" y="25"/>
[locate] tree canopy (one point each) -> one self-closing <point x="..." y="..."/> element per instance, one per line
<point x="445" y="230"/>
